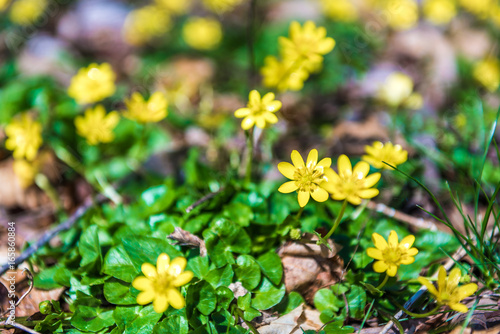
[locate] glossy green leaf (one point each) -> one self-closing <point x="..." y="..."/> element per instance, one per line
<point x="118" y="292"/>
<point x="271" y="266"/>
<point x="247" y="271"/>
<point x="266" y="295"/>
<point x="117" y="263"/>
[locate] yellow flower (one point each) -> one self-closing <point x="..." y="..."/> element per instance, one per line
<point x="202" y="33"/>
<point x="480" y="8"/>
<point x="93" y="83"/>
<point x="309" y="179"/>
<point x="397" y="90"/>
<point x="259" y="111"/>
<point x="391" y="254"/>
<point x="439" y="11"/>
<point x="146" y="23"/>
<point x="159" y="285"/>
<point x="283" y="75"/>
<point x="96" y="126"/>
<point x="142" y="111"/>
<point x="351" y="184"/>
<point x="401" y="14"/>
<point x="340" y="10"/>
<point x="494" y="12"/>
<point x="221" y="6"/>
<point x="175" y="6"/>
<point x="25" y="171"/>
<point x="487" y="73"/>
<point x="4" y="4"/>
<point x="26" y="12"/>
<point x="306" y="44"/>
<point x="378" y="152"/>
<point x="24" y="137"/>
<point x="448" y="292"/>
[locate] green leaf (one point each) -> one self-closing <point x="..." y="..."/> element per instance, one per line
<point x="337" y="327"/>
<point x="356" y="298"/>
<point x="247" y="271"/>
<point x="289" y="303"/>
<point x="202" y="296"/>
<point x="144" y="322"/>
<point x="45" y="279"/>
<point x="143" y="249"/>
<point x="239" y="213"/>
<point x="220" y="277"/>
<point x="93" y="319"/>
<point x="118" y="292"/>
<point x="271" y="266"/>
<point x="117" y="263"/>
<point x="158" y="199"/>
<point x="267" y="295"/>
<point x="173" y="324"/>
<point x="245" y="304"/>
<point x="224" y="297"/>
<point x="124" y="315"/>
<point x="199" y="266"/>
<point x="325" y="299"/>
<point x="90" y="250"/>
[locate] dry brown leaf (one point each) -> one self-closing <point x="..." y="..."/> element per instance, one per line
<point x="297" y="321"/>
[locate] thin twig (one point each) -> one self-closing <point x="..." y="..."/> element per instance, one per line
<point x="8" y="322"/>
<point x="186" y="238"/>
<point x="203" y="199"/>
<point x="403" y="217"/>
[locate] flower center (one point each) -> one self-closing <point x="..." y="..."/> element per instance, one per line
<point x="162" y="283"/>
<point x="392" y="255"/>
<point x="308" y="178"/>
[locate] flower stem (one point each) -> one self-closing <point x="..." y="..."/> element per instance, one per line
<point x="381" y="285"/>
<point x="337" y="221"/>
<point x="415" y="315"/>
<point x="248" y="176"/>
<point x="297" y="216"/>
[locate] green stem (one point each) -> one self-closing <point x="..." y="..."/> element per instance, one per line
<point x="415" y="315"/>
<point x="297" y="216"/>
<point x="44" y="183"/>
<point x="337" y="221"/>
<point x="248" y="176"/>
<point x="381" y="285"/>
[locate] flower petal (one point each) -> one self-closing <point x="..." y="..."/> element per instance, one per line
<point x="392" y="270"/>
<point x="458" y="307"/>
<point x="242" y="112"/>
<point x="287" y="169"/>
<point x="374" y="253"/>
<point x="392" y="241"/>
<point x="182" y="279"/>
<point x="354" y="199"/>
<point x="303" y="198"/>
<point x="247" y="122"/>
<point x="162" y="263"/>
<point x="466" y="291"/>
<point x="344" y="166"/>
<point x="297" y="159"/>
<point x="254" y="98"/>
<point x="379" y="241"/>
<point x="325" y="163"/>
<point x="145" y="297"/>
<point x="142" y="283"/>
<point x="177" y="266"/>
<point x="412" y="251"/>
<point x="441" y="279"/>
<point x="380" y="266"/>
<point x="371" y="180"/>
<point x="273" y="106"/>
<point x="175" y="298"/>
<point x="367" y="193"/>
<point x="260" y="122"/>
<point x="407" y="241"/>
<point x="270" y="118"/>
<point x="453" y="278"/>
<point x="407" y="260"/>
<point x="148" y="270"/>
<point x="160" y="303"/>
<point x="312" y="158"/>
<point x="361" y="170"/>
<point x="320" y="195"/>
<point x="288" y="187"/>
<point x="424" y="281"/>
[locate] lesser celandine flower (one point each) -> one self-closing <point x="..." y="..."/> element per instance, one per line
<point x="397" y="90"/>
<point x="340" y="10"/>
<point x="351" y="184"/>
<point x="93" y="83"/>
<point x="487" y="73"/>
<point x="439" y="11"/>
<point x="308" y="179"/>
<point x="175" y="6"/>
<point x="26" y="12"/>
<point x="96" y="126"/>
<point x="221" y="6"/>
<point x="146" y="23"/>
<point x="306" y="44"/>
<point x="202" y="33"/>
<point x="477" y="7"/>
<point x="391" y="254"/>
<point x="448" y="291"/>
<point x="4" y="4"/>
<point x="283" y="75"/>
<point x="159" y="285"/>
<point x="401" y="14"/>
<point x="392" y="154"/>
<point x="259" y="111"/>
<point x="142" y="111"/>
<point x="24" y="137"/>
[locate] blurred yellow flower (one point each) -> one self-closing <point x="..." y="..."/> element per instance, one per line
<point x="391" y="254"/>
<point x="397" y="90"/>
<point x="202" y="33"/>
<point x="259" y="111"/>
<point x="340" y="10"/>
<point x="142" y="111"/>
<point x="494" y="12"/>
<point x="487" y="73"/>
<point x="96" y="126"/>
<point x="306" y="44"/>
<point x="26" y="12"/>
<point x="4" y="4"/>
<point x="145" y="24"/>
<point x="93" y="83"/>
<point x="25" y="171"/>
<point x="401" y="14"/>
<point x="159" y="284"/>
<point x="351" y="184"/>
<point x="448" y="291"/>
<point x="378" y="152"/>
<point x="24" y="137"/>
<point x="308" y="179"/>
<point x="221" y="6"/>
<point x="480" y="8"/>
<point x="175" y="6"/>
<point x="283" y="75"/>
<point x="439" y="11"/>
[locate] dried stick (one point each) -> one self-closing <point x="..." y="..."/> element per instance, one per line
<point x="186" y="238"/>
<point x="203" y="199"/>
<point x="403" y="217"/>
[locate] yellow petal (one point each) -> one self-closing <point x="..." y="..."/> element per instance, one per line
<point x="303" y="198"/>
<point x="287" y="169"/>
<point x="160" y="303"/>
<point x="454" y="278"/>
<point x="379" y="241"/>
<point x="242" y="112"/>
<point x="412" y="251"/>
<point x="380" y="266"/>
<point x="270" y="118"/>
<point x="268" y="98"/>
<point x="142" y="283"/>
<point x="183" y="278"/>
<point x="320" y="195"/>
<point x="274" y="106"/>
<point x="371" y="180"/>
<point x="344" y="166"/>
<point x="148" y="270"/>
<point x="254" y="98"/>
<point x="441" y="279"/>
<point x="247" y="122"/>
<point x="407" y="260"/>
<point x="367" y="193"/>
<point x="354" y="199"/>
<point x="393" y="239"/>
<point x="288" y="187"/>
<point x="260" y="122"/>
<point x="297" y="159"/>
<point x="361" y="170"/>
<point x="466" y="291"/>
<point x="432" y="289"/>
<point x="175" y="298"/>
<point x="458" y="307"/>
<point x="177" y="266"/>
<point x="407" y="241"/>
<point x="162" y="263"/>
<point x="374" y="253"/>
<point x="325" y="163"/>
<point x="312" y="158"/>
<point x="392" y="270"/>
<point x="145" y="297"/>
